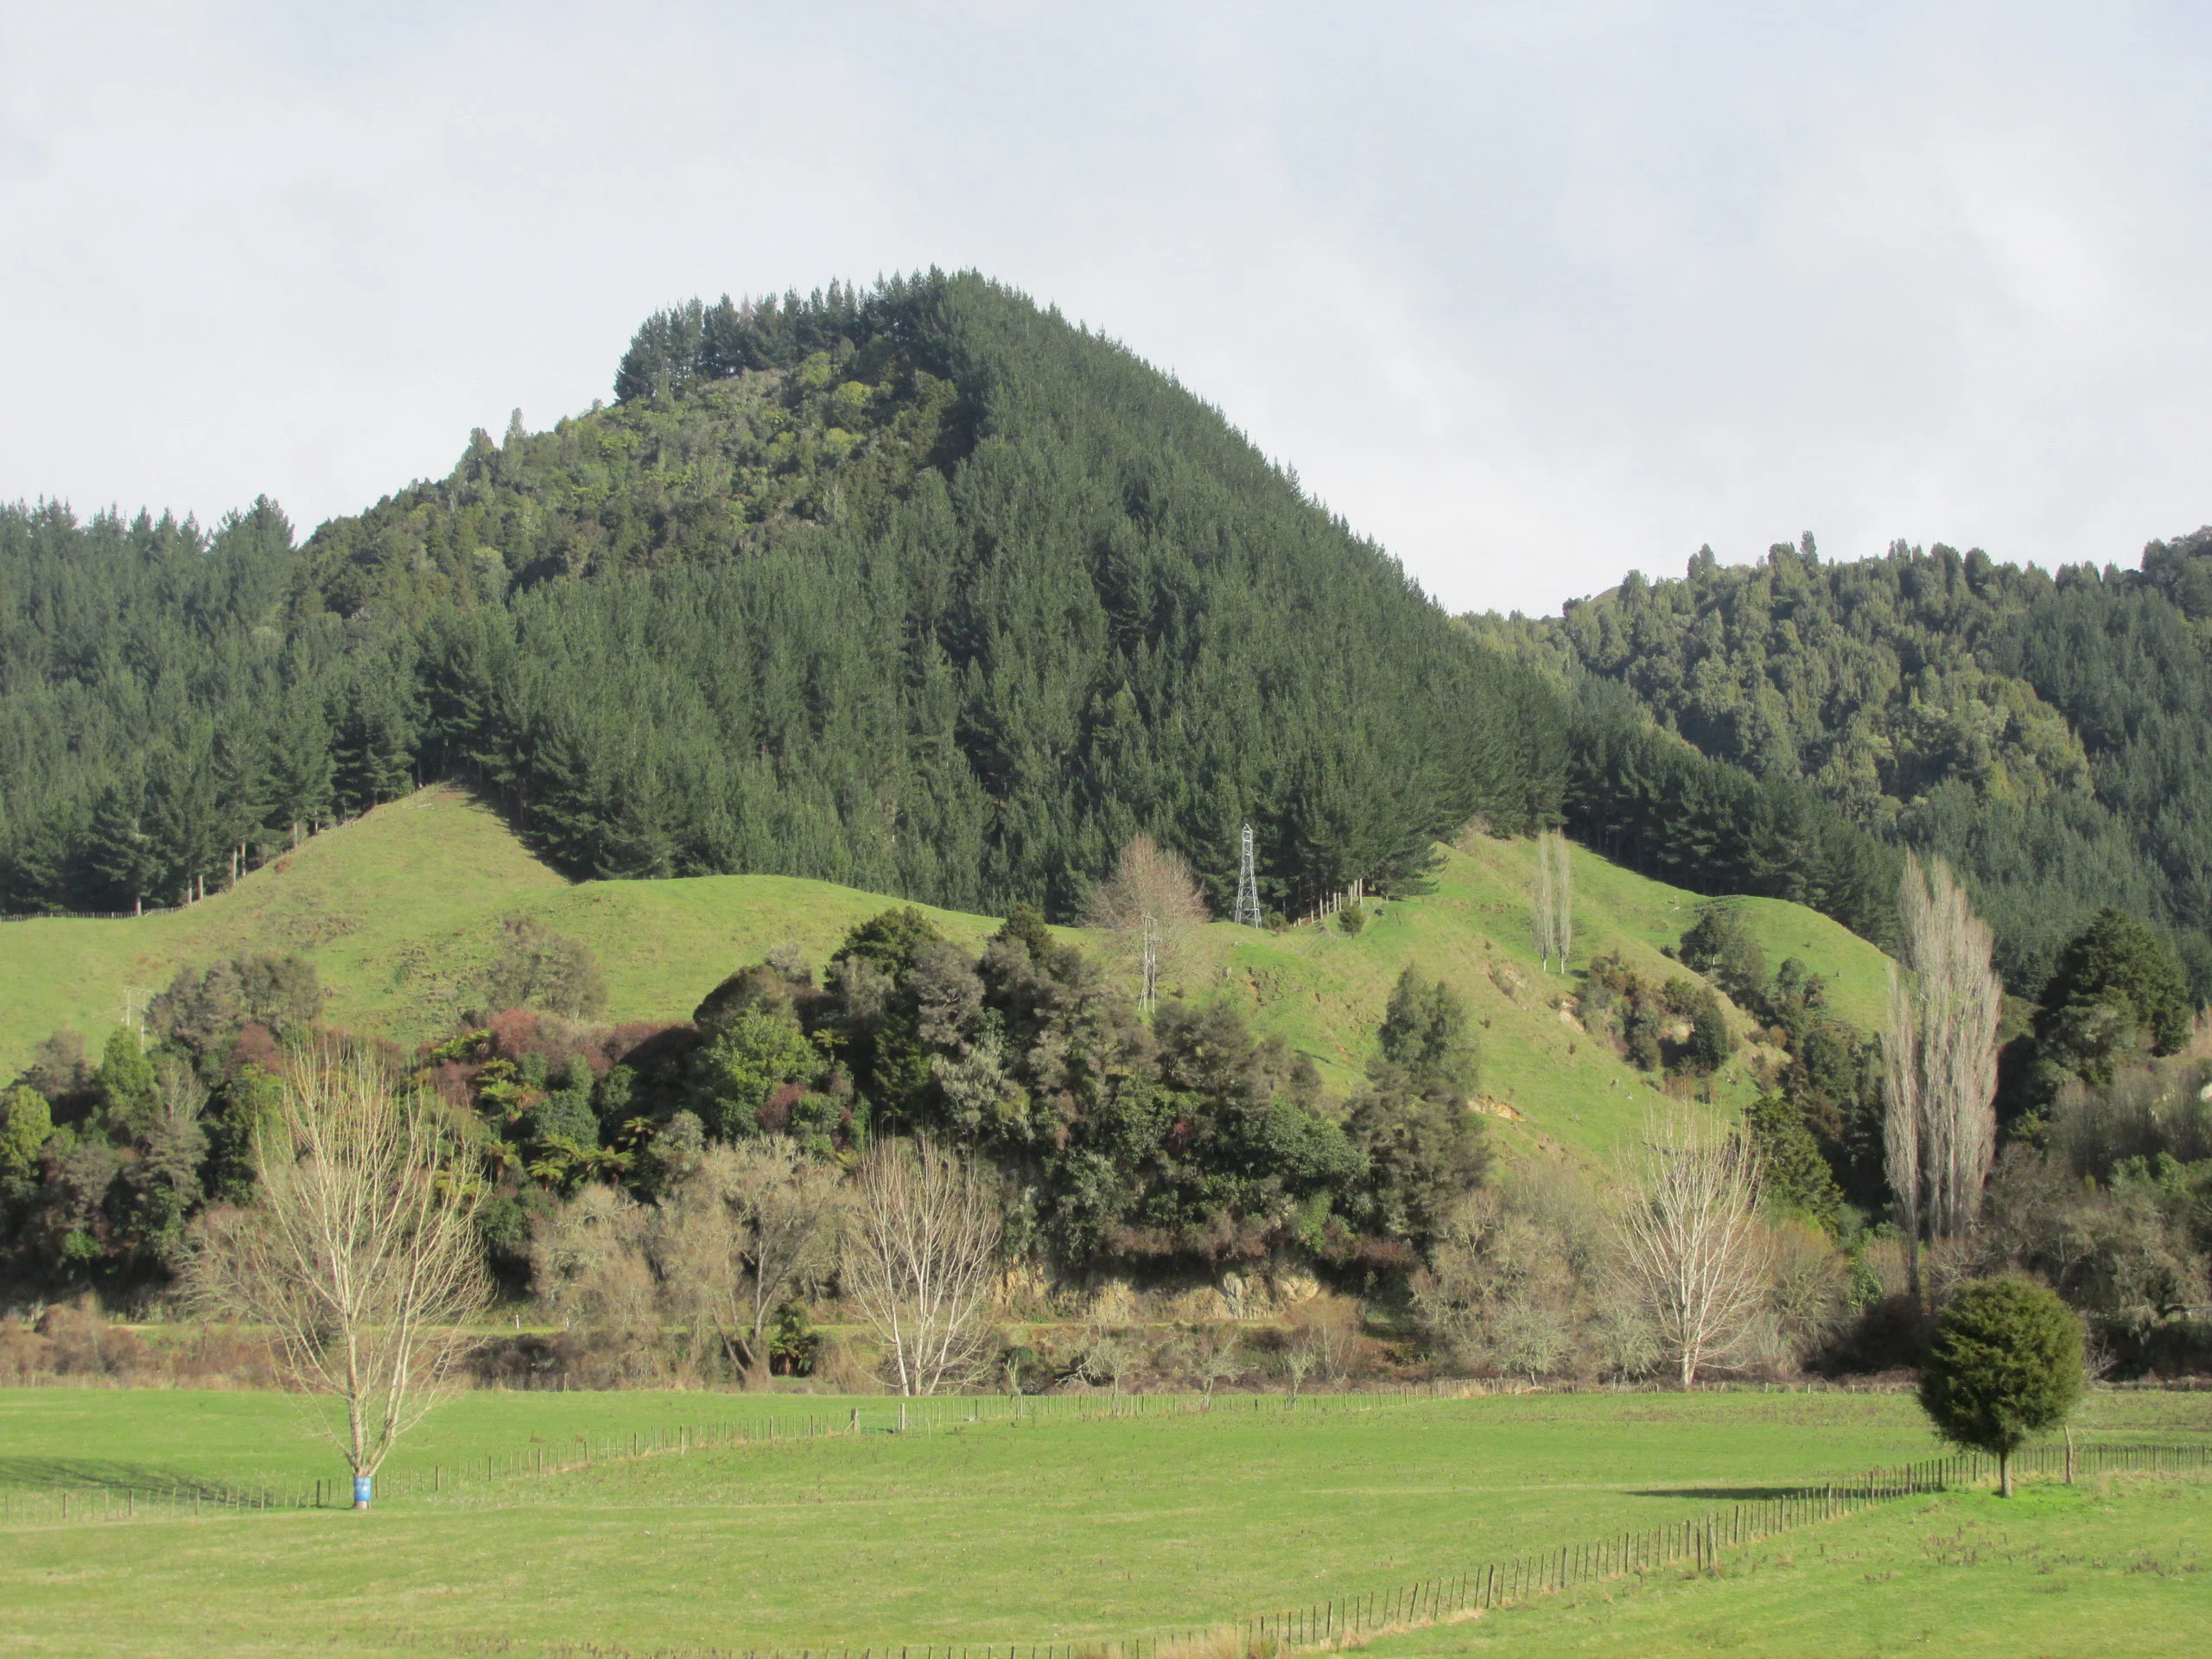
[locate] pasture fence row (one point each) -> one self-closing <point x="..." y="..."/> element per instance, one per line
<point x="1695" y="1543"/>
<point x="90" y="1499"/>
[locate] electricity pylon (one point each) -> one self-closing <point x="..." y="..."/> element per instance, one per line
<point x="1248" y="886"/>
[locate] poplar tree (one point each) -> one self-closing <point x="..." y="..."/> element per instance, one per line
<point x="1938" y="1128"/>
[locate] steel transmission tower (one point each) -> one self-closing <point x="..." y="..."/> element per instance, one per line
<point x="1248" y="886"/>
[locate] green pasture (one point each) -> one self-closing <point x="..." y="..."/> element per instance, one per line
<point x="1057" y="1527"/>
<point x="400" y="910"/>
<point x="2111" y="1566"/>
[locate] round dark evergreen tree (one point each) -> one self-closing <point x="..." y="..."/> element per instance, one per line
<point x="2004" y="1362"/>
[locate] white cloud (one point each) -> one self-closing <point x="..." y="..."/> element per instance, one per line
<point x="1531" y="294"/>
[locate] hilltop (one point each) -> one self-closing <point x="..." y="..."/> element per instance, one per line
<point x="923" y="590"/>
<point x="399" y="911"/>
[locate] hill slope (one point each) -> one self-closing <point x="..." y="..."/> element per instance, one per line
<point x="2051" y="734"/>
<point x="399" y="911"/>
<point x="925" y="591"/>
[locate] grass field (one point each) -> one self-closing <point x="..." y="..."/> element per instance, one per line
<point x="2119" y="1565"/>
<point x="399" y="911"/>
<point x="993" y="1531"/>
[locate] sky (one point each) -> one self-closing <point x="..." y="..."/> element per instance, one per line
<point x="1532" y="295"/>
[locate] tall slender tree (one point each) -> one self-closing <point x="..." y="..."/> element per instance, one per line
<point x="1939" y="1060"/>
<point x="1551" y="900"/>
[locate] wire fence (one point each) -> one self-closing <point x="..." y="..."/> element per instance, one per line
<point x="474" y="1473"/>
<point x="1697" y="1542"/>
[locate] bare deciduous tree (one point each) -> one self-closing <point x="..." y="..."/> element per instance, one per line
<point x="1330" y="1328"/>
<point x="1691" y="1244"/>
<point x="1152" y="904"/>
<point x="919" y="1259"/>
<point x="1213" y="1356"/>
<point x="360" y="1255"/>
<point x="1938" y="1128"/>
<point x="590" y="1262"/>
<point x="1551" y="900"/>
<point x="1108" y="1356"/>
<point x="752" y="1225"/>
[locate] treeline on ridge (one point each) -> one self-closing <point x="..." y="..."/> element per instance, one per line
<point x="2047" y="733"/>
<point x="921" y="590"/>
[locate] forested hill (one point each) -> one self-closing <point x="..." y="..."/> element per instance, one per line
<point x="2052" y="735"/>
<point x="921" y="590"/>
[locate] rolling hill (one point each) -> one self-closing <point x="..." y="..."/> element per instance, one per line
<point x="925" y="590"/>
<point x="399" y="910"/>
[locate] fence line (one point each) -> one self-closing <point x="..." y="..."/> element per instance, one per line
<point x="472" y="1471"/>
<point x="1518" y="1579"/>
<point x="1697" y="1541"/>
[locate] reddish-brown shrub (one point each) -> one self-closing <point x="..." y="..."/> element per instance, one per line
<point x="255" y="1046"/>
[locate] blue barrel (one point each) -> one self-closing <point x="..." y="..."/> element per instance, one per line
<point x="363" y="1485"/>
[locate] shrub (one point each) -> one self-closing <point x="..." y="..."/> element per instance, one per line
<point x="1720" y="946"/>
<point x="538" y="967"/>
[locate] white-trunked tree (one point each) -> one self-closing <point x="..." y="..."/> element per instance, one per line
<point x="920" y="1257"/>
<point x="359" y="1253"/>
<point x="1692" y="1245"/>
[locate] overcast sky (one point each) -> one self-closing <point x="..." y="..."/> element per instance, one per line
<point x="1531" y="294"/>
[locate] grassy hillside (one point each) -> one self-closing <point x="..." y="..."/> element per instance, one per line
<point x="399" y="911"/>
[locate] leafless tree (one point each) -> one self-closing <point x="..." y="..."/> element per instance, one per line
<point x="1551" y="898"/>
<point x="1213" y="1356"/>
<point x="1938" y="1128"/>
<point x="753" y="1225"/>
<point x="360" y="1255"/>
<point x="1108" y="1356"/>
<point x="1152" y="906"/>
<point x="1332" y="1330"/>
<point x="590" y="1263"/>
<point x="920" y="1258"/>
<point x="1500" y="1291"/>
<point x="1691" y="1243"/>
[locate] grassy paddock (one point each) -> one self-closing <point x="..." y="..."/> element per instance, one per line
<point x="994" y="1531"/>
<point x="2112" y="1566"/>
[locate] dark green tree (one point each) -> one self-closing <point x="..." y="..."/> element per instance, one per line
<point x="2004" y="1364"/>
<point x="2118" y="990"/>
<point x="127" y="1087"/>
<point x="1426" y="1034"/>
<point x="1422" y="1142"/>
<point x="1722" y="947"/>
<point x="1711" y="1042"/>
<point x="1796" y="1174"/>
